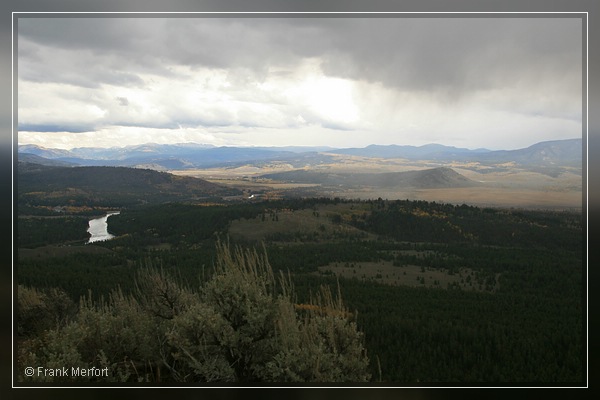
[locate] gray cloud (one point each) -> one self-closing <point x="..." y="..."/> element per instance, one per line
<point x="123" y="101"/>
<point x="521" y="66"/>
<point x="72" y="128"/>
<point x="458" y="54"/>
<point x="409" y="53"/>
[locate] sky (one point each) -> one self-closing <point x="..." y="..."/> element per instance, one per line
<point x="495" y="83"/>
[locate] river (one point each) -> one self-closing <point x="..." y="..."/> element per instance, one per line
<point x="98" y="228"/>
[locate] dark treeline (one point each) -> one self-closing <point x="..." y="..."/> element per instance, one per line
<point x="421" y="221"/>
<point x="34" y="232"/>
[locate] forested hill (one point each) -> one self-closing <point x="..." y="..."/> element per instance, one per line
<point x="103" y="185"/>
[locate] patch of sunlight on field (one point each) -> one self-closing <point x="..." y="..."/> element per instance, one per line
<point x="384" y="272"/>
<point x="290" y="225"/>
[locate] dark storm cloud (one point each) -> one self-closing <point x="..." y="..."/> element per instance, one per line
<point x="80" y="33"/>
<point x="84" y="67"/>
<point x="457" y="56"/>
<point x="452" y="54"/>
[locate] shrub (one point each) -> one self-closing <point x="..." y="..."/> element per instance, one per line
<point x="241" y="325"/>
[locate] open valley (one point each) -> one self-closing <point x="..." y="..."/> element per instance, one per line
<point x="504" y="185"/>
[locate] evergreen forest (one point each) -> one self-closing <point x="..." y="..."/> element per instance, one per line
<point x="399" y="292"/>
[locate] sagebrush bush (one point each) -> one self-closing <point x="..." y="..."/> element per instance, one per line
<point x="241" y="325"/>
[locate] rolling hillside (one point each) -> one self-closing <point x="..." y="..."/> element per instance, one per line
<point x="425" y="179"/>
<point x="113" y="186"/>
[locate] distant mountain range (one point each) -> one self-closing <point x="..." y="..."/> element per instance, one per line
<point x="428" y="151"/>
<point x="558" y="152"/>
<point x="161" y="156"/>
<point x="564" y="153"/>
